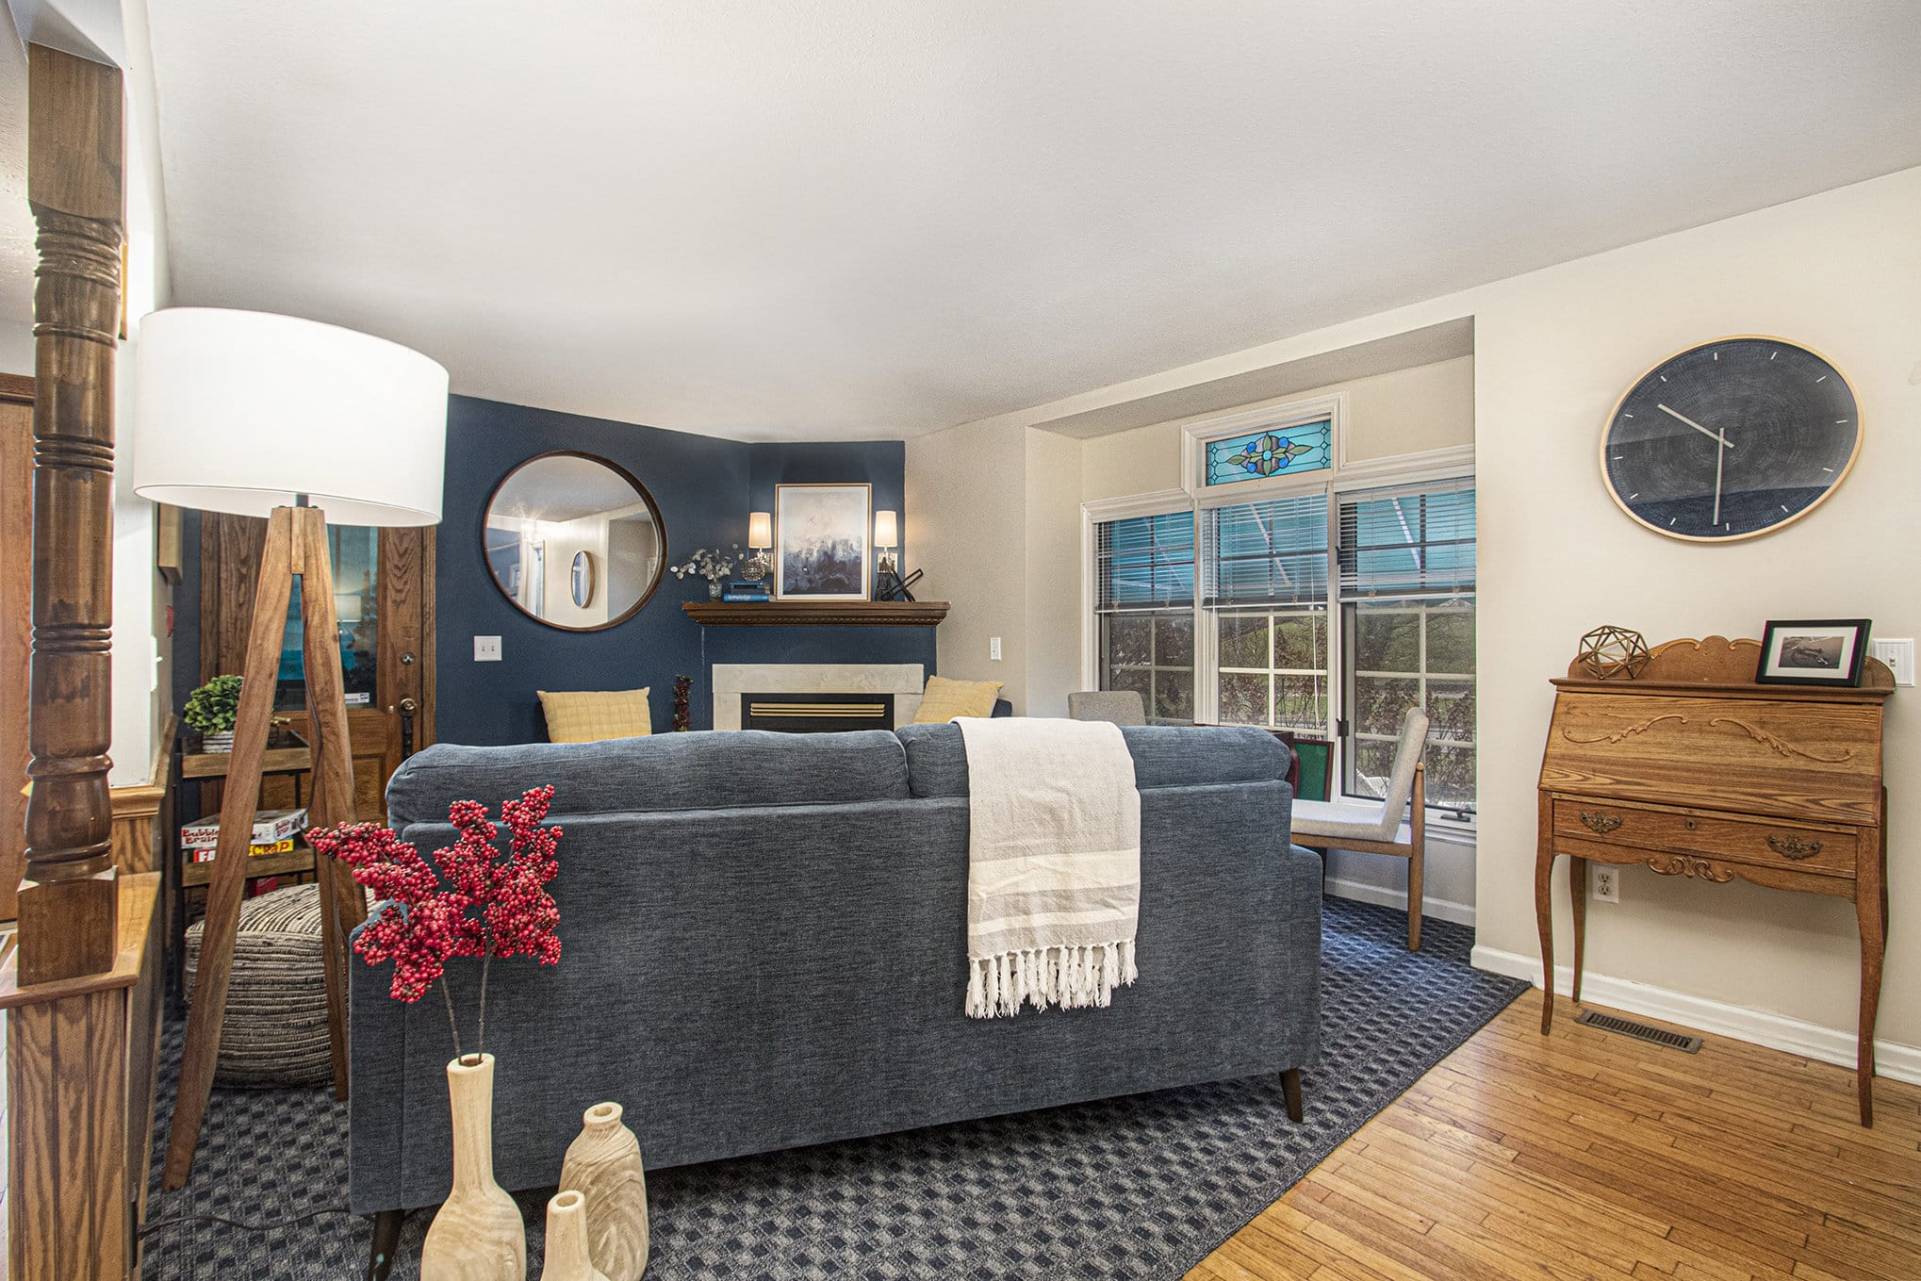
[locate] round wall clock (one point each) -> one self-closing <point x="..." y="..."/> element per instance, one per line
<point x="1730" y="439"/>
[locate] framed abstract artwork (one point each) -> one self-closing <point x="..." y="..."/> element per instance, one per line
<point x="823" y="542"/>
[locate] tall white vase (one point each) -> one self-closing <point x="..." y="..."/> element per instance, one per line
<point x="567" y="1257"/>
<point x="477" y="1235"/>
<point x="603" y="1165"/>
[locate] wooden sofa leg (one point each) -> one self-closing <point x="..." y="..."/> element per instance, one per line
<point x="386" y="1241"/>
<point x="1291" y="1090"/>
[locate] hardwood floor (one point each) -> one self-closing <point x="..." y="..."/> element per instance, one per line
<point x="1586" y="1154"/>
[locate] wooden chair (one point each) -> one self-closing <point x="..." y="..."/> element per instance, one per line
<point x="1324" y="826"/>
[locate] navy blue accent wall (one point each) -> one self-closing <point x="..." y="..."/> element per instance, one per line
<point x="700" y="485"/>
<point x="704" y="488"/>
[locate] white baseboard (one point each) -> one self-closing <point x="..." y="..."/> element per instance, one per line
<point x="1892" y="1059"/>
<point x="1387" y="896"/>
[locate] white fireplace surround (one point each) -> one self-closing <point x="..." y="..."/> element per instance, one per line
<point x="904" y="681"/>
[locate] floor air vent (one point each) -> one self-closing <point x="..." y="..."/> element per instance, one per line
<point x="1640" y="1031"/>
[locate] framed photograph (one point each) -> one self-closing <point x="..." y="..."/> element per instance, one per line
<point x="1813" y="652"/>
<point x="823" y="542"/>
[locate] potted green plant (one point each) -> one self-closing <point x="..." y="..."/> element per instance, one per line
<point x="211" y="709"/>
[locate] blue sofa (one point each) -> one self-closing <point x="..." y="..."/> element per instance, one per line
<point x="765" y="947"/>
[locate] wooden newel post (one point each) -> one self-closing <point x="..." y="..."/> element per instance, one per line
<point x="67" y="899"/>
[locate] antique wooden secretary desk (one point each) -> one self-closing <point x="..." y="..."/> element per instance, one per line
<point x="1694" y="770"/>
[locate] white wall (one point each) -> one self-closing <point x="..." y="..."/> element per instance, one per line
<point x="142" y="649"/>
<point x="16" y="345"/>
<point x="1841" y="272"/>
<point x="1403" y="411"/>
<point x="968" y="525"/>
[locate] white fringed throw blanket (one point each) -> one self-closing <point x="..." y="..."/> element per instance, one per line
<point x="1054" y="863"/>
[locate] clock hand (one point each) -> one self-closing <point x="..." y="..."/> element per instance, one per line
<point x="1720" y="435"/>
<point x="1718" y="456"/>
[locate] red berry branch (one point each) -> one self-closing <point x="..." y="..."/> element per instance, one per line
<point x="476" y="904"/>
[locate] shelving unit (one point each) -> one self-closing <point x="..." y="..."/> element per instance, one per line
<point x="286" y="754"/>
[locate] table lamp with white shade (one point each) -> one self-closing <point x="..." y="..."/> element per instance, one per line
<point x="303" y="423"/>
<point x="760" y="541"/>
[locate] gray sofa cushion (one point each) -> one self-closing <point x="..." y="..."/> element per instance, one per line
<point x="1164" y="756"/>
<point x="693" y="771"/>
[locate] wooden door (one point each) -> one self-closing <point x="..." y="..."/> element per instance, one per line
<point x="399" y="699"/>
<point x="16" y="627"/>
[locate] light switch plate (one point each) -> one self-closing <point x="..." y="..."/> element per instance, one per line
<point x="994" y="649"/>
<point x="486" y="649"/>
<point x="1898" y="654"/>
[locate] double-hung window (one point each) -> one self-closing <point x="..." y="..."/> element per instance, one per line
<point x="1144" y="604"/>
<point x="1295" y="591"/>
<point x="1406" y="560"/>
<point x="1264" y="567"/>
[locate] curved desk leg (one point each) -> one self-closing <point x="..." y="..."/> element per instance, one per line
<point x="1544" y="911"/>
<point x="1871" y="911"/>
<point x="1577" y="900"/>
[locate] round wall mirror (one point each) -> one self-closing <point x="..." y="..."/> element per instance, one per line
<point x="574" y="541"/>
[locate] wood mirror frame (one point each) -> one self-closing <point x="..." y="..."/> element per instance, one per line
<point x="603" y="575"/>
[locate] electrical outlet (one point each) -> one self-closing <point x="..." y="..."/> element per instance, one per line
<point x="994" y="649"/>
<point x="1898" y="654"/>
<point x="486" y="649"/>
<point x="1605" y="882"/>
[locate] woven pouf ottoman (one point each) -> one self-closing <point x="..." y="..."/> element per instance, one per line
<point x="275" y="1032"/>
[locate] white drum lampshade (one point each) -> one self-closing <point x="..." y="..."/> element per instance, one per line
<point x="241" y="411"/>
<point x="760" y="531"/>
<point x="886" y="529"/>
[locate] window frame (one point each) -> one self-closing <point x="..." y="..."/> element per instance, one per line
<point x="1344" y="479"/>
<point x="1197" y="436"/>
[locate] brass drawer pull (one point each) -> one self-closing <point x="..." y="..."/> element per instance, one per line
<point x="1599" y="823"/>
<point x="1793" y="847"/>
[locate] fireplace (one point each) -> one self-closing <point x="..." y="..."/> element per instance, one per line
<point x="811" y="713"/>
<point x="797" y="697"/>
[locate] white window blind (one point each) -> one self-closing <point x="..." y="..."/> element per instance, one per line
<point x="1407" y="543"/>
<point x="1272" y="552"/>
<point x="1146" y="563"/>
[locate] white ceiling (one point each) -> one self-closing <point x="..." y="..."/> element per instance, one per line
<point x="819" y="220"/>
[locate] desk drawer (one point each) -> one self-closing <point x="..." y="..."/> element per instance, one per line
<point x="1803" y="847"/>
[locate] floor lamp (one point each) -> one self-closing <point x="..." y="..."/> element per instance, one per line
<point x="303" y="423"/>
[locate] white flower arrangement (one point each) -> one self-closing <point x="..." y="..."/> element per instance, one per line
<point x="711" y="564"/>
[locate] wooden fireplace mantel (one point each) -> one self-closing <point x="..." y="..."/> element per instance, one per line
<point x="806" y="613"/>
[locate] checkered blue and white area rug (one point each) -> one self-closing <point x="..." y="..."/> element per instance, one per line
<point x="999" y="1200"/>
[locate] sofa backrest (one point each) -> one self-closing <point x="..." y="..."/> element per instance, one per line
<point x="661" y="772"/>
<point x="1164" y="756"/>
<point x="707" y="771"/>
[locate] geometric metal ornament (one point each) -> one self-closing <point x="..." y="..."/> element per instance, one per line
<point x="1611" y="652"/>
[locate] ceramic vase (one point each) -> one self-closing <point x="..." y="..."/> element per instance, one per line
<point x="567" y="1257"/>
<point x="603" y="1165"/>
<point x="477" y="1235"/>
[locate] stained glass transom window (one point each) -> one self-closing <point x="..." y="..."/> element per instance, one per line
<point x="1270" y="452"/>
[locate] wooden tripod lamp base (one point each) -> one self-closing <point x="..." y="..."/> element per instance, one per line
<point x="240" y="412"/>
<point x="296" y="547"/>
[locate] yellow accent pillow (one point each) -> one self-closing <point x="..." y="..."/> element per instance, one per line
<point x="945" y="699"/>
<point x="588" y="716"/>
